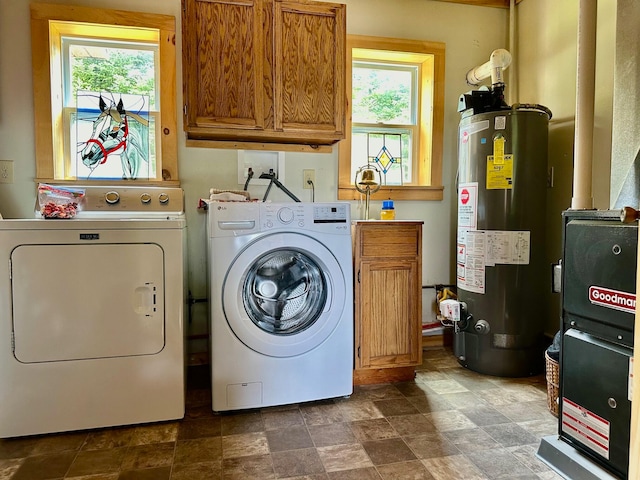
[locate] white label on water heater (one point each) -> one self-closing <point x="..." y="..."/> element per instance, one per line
<point x="508" y="247"/>
<point x="471" y="260"/>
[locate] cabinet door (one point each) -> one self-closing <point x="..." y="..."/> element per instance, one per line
<point x="389" y="317"/>
<point x="309" y="69"/>
<point x="223" y="66"/>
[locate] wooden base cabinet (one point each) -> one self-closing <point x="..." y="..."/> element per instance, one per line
<point x="388" y="300"/>
<point x="265" y="71"/>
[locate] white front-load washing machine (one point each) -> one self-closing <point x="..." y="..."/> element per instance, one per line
<point x="281" y="302"/>
<point x="91" y="314"/>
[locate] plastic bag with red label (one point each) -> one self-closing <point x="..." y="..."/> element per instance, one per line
<point x="59" y="202"/>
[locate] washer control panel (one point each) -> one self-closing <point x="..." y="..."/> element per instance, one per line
<point x="336" y="213"/>
<point x="275" y="215"/>
<point x="311" y="216"/>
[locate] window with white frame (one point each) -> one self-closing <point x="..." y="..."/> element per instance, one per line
<point x="110" y="108"/>
<point x="104" y="88"/>
<point x="395" y="117"/>
<point x="385" y="118"/>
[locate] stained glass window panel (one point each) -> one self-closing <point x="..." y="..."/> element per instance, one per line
<point x="112" y="136"/>
<point x="388" y="151"/>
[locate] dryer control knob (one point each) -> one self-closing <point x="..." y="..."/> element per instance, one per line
<point x="145" y="198"/>
<point x="112" y="197"/>
<point x="285" y="215"/>
<point x="163" y="198"/>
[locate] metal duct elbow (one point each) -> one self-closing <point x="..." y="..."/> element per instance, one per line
<point x="499" y="60"/>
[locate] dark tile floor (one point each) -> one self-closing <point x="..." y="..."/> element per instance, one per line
<point x="449" y="423"/>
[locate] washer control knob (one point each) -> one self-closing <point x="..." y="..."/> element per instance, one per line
<point x="112" y="197"/>
<point x="145" y="198"/>
<point x="163" y="198"/>
<point x="285" y="215"/>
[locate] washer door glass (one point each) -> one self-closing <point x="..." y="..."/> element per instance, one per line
<point x="284" y="292"/>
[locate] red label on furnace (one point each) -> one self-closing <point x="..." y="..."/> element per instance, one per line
<point x="617" y="300"/>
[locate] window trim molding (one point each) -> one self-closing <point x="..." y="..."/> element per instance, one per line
<point x="44" y="94"/>
<point x="432" y="188"/>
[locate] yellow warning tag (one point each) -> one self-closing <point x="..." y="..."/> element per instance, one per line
<point x="500" y="176"/>
<point x="498" y="150"/>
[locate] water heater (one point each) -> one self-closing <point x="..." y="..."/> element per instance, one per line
<point x="502" y="275"/>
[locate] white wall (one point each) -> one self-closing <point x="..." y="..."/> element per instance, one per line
<point x="625" y="142"/>
<point x="547" y="54"/>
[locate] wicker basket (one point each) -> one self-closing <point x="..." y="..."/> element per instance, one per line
<point x="553" y="375"/>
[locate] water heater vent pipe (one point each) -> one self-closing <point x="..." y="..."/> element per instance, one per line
<point x="499" y="60"/>
<point x="513" y="72"/>
<point x="585" y="99"/>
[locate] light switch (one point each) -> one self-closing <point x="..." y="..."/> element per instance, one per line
<point x="6" y="171"/>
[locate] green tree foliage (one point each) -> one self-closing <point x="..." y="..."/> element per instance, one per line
<point x="378" y="96"/>
<point x="117" y="71"/>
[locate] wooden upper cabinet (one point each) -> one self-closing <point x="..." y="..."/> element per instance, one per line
<point x="223" y="66"/>
<point x="309" y="69"/>
<point x="269" y="71"/>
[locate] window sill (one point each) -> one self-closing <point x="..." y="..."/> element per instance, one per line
<point x="108" y="182"/>
<point x="394" y="193"/>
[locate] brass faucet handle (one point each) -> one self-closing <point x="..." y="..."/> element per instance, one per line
<point x="629" y="215"/>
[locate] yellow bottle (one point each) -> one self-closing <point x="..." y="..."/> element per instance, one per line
<point x="387" y="212"/>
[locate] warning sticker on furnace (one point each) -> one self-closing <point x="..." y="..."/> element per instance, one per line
<point x="586" y="427"/>
<point x="500" y="173"/>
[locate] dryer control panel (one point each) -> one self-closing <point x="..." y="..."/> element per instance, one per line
<point x="129" y="202"/>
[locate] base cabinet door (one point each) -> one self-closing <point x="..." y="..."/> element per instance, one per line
<point x="388" y="313"/>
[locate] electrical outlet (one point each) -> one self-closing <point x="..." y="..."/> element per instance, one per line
<point x="6" y="171"/>
<point x="308" y="175"/>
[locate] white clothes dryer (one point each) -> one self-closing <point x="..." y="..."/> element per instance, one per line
<point x="91" y="314"/>
<point x="281" y="302"/>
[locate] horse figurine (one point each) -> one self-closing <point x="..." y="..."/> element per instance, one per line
<point x="112" y="136"/>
